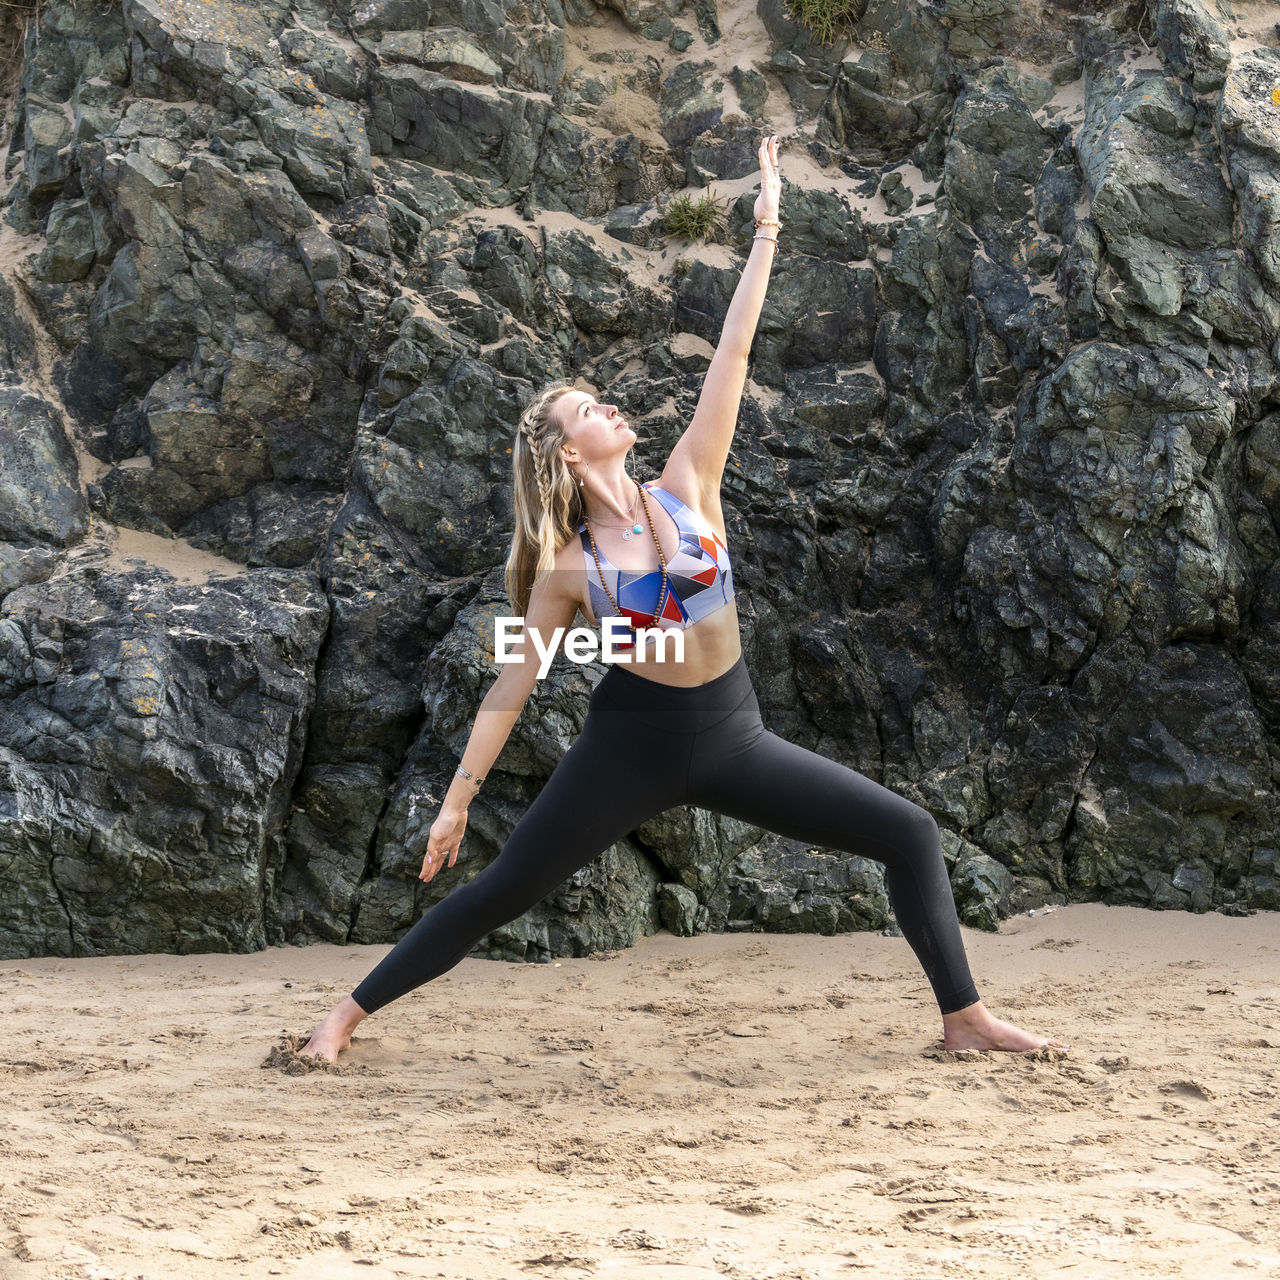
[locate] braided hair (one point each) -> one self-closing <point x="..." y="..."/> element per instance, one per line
<point x="547" y="504"/>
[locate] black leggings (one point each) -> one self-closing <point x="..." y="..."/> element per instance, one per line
<point x="647" y="747"/>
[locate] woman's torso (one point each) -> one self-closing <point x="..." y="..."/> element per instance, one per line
<point x="711" y="643"/>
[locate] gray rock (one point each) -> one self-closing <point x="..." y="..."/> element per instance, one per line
<point x="21" y="564"/>
<point x="330" y="66"/>
<point x="1193" y="42"/>
<point x="274" y="524"/>
<point x="691" y="103"/>
<point x="752" y="89"/>
<point x="1244" y="120"/>
<point x="1158" y="206"/>
<point x="610" y="902"/>
<point x="805" y="66"/>
<point x="344" y="853"/>
<point x="1262" y="878"/>
<point x="725" y="153"/>
<point x="150" y="734"/>
<point x="1185" y="753"/>
<point x="270" y="412"/>
<point x="17" y="341"/>
<point x="996" y="150"/>
<point x="781" y="887"/>
<point x="46" y="134"/>
<point x="40" y="496"/>
<point x="983" y="892"/>
<point x="897" y="198"/>
<point x="678" y="908"/>
<point x="814" y="313"/>
<point x="480" y="41"/>
<point x="887" y="98"/>
<point x="652" y="19"/>
<point x="491" y="137"/>
<point x="821" y="224"/>
<point x="70" y="250"/>
<point x="1262" y="463"/>
<point x="638" y="224"/>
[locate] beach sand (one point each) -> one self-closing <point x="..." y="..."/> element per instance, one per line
<point x="746" y="1105"/>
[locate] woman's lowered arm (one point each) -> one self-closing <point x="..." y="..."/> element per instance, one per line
<point x="549" y="607"/>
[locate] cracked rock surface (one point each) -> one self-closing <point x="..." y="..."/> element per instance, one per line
<point x="1004" y="498"/>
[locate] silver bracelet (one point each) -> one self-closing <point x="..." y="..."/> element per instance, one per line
<point x="770" y="239"/>
<point x="470" y="777"/>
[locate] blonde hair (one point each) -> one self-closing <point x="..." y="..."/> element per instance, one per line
<point x="547" y="504"/>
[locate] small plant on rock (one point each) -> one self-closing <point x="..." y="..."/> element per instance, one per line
<point x="827" y="18"/>
<point x="691" y="219"/>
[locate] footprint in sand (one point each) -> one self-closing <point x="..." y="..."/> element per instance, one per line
<point x="1189" y="1089"/>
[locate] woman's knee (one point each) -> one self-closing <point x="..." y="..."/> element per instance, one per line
<point x="920" y="831"/>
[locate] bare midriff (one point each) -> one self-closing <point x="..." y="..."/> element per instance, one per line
<point x="711" y="646"/>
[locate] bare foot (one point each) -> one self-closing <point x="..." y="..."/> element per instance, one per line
<point x="333" y="1035"/>
<point x="975" y="1028"/>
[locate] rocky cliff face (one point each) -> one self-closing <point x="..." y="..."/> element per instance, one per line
<point x="275" y="281"/>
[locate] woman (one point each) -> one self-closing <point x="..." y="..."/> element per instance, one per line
<point x="658" y="733"/>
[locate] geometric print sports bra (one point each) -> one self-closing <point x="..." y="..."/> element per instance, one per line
<point x="699" y="575"/>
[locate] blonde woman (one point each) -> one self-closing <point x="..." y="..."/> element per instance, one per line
<point x="658" y="733"/>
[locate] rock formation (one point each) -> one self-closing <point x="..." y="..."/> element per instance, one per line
<point x="276" y="280"/>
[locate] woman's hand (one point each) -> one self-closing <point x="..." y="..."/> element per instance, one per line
<point x="446" y="836"/>
<point x="770" y="180"/>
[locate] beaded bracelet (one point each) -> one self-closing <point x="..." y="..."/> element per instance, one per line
<point x="770" y="239"/>
<point x="768" y="222"/>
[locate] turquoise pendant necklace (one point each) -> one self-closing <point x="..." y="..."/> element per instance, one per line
<point x="628" y="532"/>
<point x="636" y="527"/>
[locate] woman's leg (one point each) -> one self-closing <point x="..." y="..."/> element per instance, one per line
<point x="586" y="805"/>
<point x="775" y="784"/>
<point x="614" y="777"/>
<point x="743" y="770"/>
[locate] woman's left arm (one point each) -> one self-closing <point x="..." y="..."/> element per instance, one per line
<point x="697" y="462"/>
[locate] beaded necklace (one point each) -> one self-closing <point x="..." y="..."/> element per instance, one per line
<point x="662" y="564"/>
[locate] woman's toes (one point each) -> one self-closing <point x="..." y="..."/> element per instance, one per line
<point x="318" y="1047"/>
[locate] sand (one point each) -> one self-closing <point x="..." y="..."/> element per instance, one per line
<point x="746" y="1105"/>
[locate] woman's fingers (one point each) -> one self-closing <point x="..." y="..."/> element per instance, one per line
<point x="769" y="157"/>
<point x="443" y="843"/>
<point x="436" y="859"/>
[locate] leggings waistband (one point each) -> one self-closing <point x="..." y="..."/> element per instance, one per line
<point x="681" y="708"/>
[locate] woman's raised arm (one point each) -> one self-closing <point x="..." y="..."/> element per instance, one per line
<point x="697" y="461"/>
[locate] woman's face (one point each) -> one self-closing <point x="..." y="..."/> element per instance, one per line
<point x="592" y="429"/>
